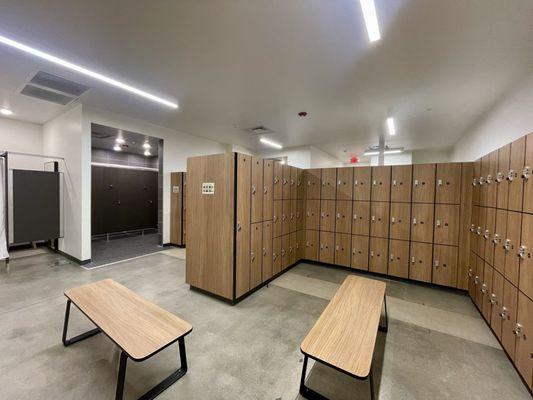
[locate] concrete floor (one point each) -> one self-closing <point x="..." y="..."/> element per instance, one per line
<point x="437" y="346"/>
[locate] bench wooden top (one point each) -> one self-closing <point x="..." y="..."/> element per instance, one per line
<point x="137" y="326"/>
<point x="345" y="334"/>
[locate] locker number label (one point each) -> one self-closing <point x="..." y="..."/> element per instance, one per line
<point x="175" y="189"/>
<point x="208" y="188"/>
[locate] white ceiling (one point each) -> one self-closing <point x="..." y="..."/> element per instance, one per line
<point x="233" y="64"/>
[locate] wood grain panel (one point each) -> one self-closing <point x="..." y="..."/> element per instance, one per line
<point x="268" y="189"/>
<point x="514" y="227"/>
<point x="267" y="271"/>
<point x="329" y="183"/>
<point x="285" y="252"/>
<point x="286" y="182"/>
<point x="244" y="204"/>
<point x="465" y="221"/>
<point x="516" y="184"/>
<point x="360" y="247"/>
<point x="422" y="223"/>
<point x="448" y="189"/>
<point x="327" y="215"/>
<point x="312" y="244"/>
<point x="504" y="159"/>
<point x="343" y="216"/>
<point x="379" y="250"/>
<point x="446" y="224"/>
<point x="424" y="183"/>
<point x="293" y="183"/>
<point x="399" y="258"/>
<point x="313" y="179"/>
<point x="343" y="244"/>
<point x="327" y="247"/>
<point x="257" y="190"/>
<point x="524" y="339"/>
<point x="444" y="265"/>
<point x="401" y="181"/>
<point x="509" y="311"/>
<point x="361" y="218"/>
<point x="528" y="169"/>
<point x="379" y="219"/>
<point x="277" y="182"/>
<point x="300" y="183"/>
<point x="420" y="262"/>
<point x="362" y="183"/>
<point x="312" y="214"/>
<point x="380" y="183"/>
<point x="256" y="255"/>
<point x="525" y="281"/>
<point x="400" y="221"/>
<point x="345" y="183"/>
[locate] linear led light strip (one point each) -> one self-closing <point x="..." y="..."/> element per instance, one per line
<point x="270" y="143"/>
<point x="85" y="71"/>
<point x="371" y="19"/>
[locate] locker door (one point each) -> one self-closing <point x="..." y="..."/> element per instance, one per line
<point x="422" y="223"/>
<point x="277" y="218"/>
<point x="256" y="255"/>
<point x="479" y="283"/>
<point x="448" y="189"/>
<point x="524" y="338"/>
<point x="486" y="290"/>
<point x="488" y="235"/>
<point x="285" y="217"/>
<point x="360" y="252"/>
<point x="277" y="181"/>
<point x="379" y="219"/>
<point x="300" y="245"/>
<point x="327" y="215"/>
<point x="399" y="258"/>
<point x="300" y="187"/>
<point x="257" y="189"/>
<point x="285" y="253"/>
<point x="361" y="183"/>
<point x="525" y="256"/>
<point x="343" y="217"/>
<point x="508" y="315"/>
<point x="293" y="183"/>
<point x="276" y="256"/>
<point x="244" y="183"/>
<point x="500" y="234"/>
<point x="267" y="250"/>
<point x="344" y="183"/>
<point x="401" y="179"/>
<point x="343" y="244"/>
<point x="496" y="299"/>
<point x="512" y="246"/>
<point x="490" y="179"/>
<point x="472" y="262"/>
<point x="299" y="215"/>
<point x="444" y="265"/>
<point x="482" y="218"/>
<point x="483" y="180"/>
<point x="474" y="229"/>
<point x="446" y="224"/>
<point x="329" y="179"/>
<point x="400" y="221"/>
<point x="268" y="191"/>
<point x="504" y="156"/>
<point x="312" y="178"/>
<point x="327" y="247"/>
<point x="286" y="181"/>
<point x="378" y="255"/>
<point x="424" y="183"/>
<point x="526" y="175"/>
<point x="292" y="248"/>
<point x="312" y="214"/>
<point x="312" y="244"/>
<point x="420" y="266"/>
<point x="516" y="166"/>
<point x="465" y="219"/>
<point x="361" y="218"/>
<point x="476" y="193"/>
<point x="292" y="215"/>
<point x="380" y="183"/>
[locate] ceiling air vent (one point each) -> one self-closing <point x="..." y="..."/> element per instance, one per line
<point x="259" y="130"/>
<point x="45" y="86"/>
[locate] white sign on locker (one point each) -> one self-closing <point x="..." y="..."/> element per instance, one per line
<point x="208" y="188"/>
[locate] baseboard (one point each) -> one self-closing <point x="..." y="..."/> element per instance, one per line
<point x="74" y="259"/>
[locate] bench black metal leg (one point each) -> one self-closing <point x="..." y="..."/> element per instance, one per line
<point x="121" y="376"/>
<point x="304" y="390"/>
<point x="385" y="328"/>
<point x="68" y="342"/>
<point x="371" y="380"/>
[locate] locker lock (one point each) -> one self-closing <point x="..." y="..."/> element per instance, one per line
<point x="496" y="239"/>
<point x="412" y="260"/>
<point x="493" y="298"/>
<point x="323" y="183"/>
<point x="436" y="263"/>
<point x="476" y="280"/>
<point x="474" y="182"/>
<point x="503" y="314"/>
<point x="438" y="223"/>
<point x="414" y="221"/>
<point x="517" y="329"/>
<point x="472" y="228"/>
<point x="354" y="251"/>
<point x="499" y="177"/>
<point x="470" y="272"/>
<point x="522" y="251"/>
<point x="321" y="246"/>
<point x="439" y="182"/>
<point x="486" y="235"/>
<point x="478" y="230"/>
<point x="481" y="180"/>
<point x="525" y="173"/>
<point x="323" y="214"/>
<point x="489" y="179"/>
<point x="484" y="288"/>
<point x="510" y="175"/>
<point x="507" y="244"/>
<point x="253" y="189"/>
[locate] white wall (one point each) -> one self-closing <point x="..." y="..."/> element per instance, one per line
<point x="509" y="120"/>
<point x="427" y="156"/>
<point x="393" y="159"/>
<point x="321" y="159"/>
<point x="22" y="137"/>
<point x="296" y="156"/>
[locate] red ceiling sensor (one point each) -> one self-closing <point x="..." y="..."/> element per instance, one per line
<point x="302" y="114"/>
<point x="354" y="160"/>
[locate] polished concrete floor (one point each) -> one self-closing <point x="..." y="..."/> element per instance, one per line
<point x="437" y="346"/>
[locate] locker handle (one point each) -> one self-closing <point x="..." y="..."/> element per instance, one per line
<point x="486" y="235"/>
<point x="470" y="272"/>
<point x="414" y="221"/>
<point x="394" y="182"/>
<point x="118" y="202"/>
<point x="290" y="249"/>
<point x="484" y="288"/>
<point x="496" y="238"/>
<point x="439" y="182"/>
<point x="265" y="190"/>
<point x="321" y="246"/>
<point x="354" y="251"/>
<point x="239" y="227"/>
<point x="252" y="256"/>
<point x="412" y="260"/>
<point x="474" y="182"/>
<point x="284" y="181"/>
<point x="371" y="253"/>
<point x="493" y="298"/>
<point x="292" y="216"/>
<point x="472" y="228"/>
<point x="355" y="216"/>
<point x="338" y="215"/>
<point x="417" y="182"/>
<point x="510" y="175"/>
<point x="292" y="182"/>
<point x="522" y="251"/>
<point x="518" y="329"/>
<point x="489" y="179"/>
<point x="323" y="183"/>
<point x="478" y="230"/>
<point x="339" y="182"/>
<point x="274" y="256"/>
<point x="525" y="173"/>
<point x="264" y="252"/>
<point x="374" y="182"/>
<point x="356" y="182"/>
<point x="283" y="217"/>
<point x="308" y="214"/>
<point x="299" y="183"/>
<point x="481" y="181"/>
<point x="373" y="218"/>
<point x="392" y="220"/>
<point x="253" y="189"/>
<point x="436" y="263"/>
<point x="308" y="183"/>
<point x="298" y="215"/>
<point x="297" y="246"/>
<point x="323" y="214"/>
<point x="499" y="177"/>
<point x="274" y="218"/>
<point x="392" y="257"/>
<point x="276" y="180"/>
<point x="503" y="314"/>
<point x="438" y="223"/>
<point x="507" y="245"/>
<point x="337" y="248"/>
<point x="476" y="280"/>
<point x="307" y="244"/>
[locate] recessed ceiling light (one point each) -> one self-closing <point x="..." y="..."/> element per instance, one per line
<point x="371" y="153"/>
<point x="270" y="143"/>
<point x="371" y="19"/>
<point x="390" y="126"/>
<point x="146" y="145"/>
<point x="85" y="71"/>
<point x="120" y="140"/>
<point x="5" y="111"/>
<point x="117" y="147"/>
<point x="147" y="153"/>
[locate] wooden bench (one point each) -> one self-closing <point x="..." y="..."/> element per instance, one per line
<point x="344" y="336"/>
<point x="138" y="327"/>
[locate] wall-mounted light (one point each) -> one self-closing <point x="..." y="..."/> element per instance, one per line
<point x="371" y="19"/>
<point x="270" y="143"/>
<point x="6" y="112"/>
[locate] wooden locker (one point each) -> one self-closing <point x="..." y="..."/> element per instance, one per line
<point x="345" y="183"/>
<point x="300" y="225"/>
<point x="465" y="219"/>
<point x="277" y="218"/>
<point x="244" y="183"/>
<point x="446" y="224"/>
<point x="285" y="252"/>
<point x="278" y="180"/>
<point x="292" y="216"/>
<point x="483" y="187"/>
<point x="472" y="268"/>
<point x="444" y="265"/>
<point x="476" y="193"/>
<point x="361" y="218"/>
<point x="256" y="255"/>
<point x="312" y="178"/>
<point x="293" y="183"/>
<point x="498" y="238"/>
<point x="478" y="299"/>
<point x="474" y="229"/>
<point x="343" y="244"/>
<point x="360" y="246"/>
<point x="524" y="338"/>
<point x="486" y="290"/>
<point x="402" y="176"/>
<point x="399" y="258"/>
<point x="400" y="221"/>
<point x="448" y="188"/>
<point x="380" y="183"/>
<point x="504" y="158"/>
<point x="496" y="299"/>
<point x="362" y="179"/>
<point x="343" y="217"/>
<point x="300" y="186"/>
<point x="312" y="244"/>
<point x="512" y="246"/>
<point x="257" y="189"/>
<point x="329" y="186"/>
<point x="420" y="262"/>
<point x="312" y="214"/>
<point x="490" y="180"/>
<point x="422" y="223"/>
<point x="327" y="247"/>
<point x="268" y="190"/>
<point x="276" y="255"/>
<point x="267" y="250"/>
<point x="508" y="315"/>
<point x="424" y="183"/>
<point x="286" y="182"/>
<point x="516" y="166"/>
<point x="300" y="245"/>
<point x="379" y="219"/>
<point x="527" y="175"/>
<point x="327" y="215"/>
<point x="482" y="218"/>
<point x="286" y="217"/>
<point x="488" y="234"/>
<point x="292" y="248"/>
<point x="525" y="256"/>
<point x="378" y="259"/>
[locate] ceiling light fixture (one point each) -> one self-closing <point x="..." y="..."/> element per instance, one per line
<point x="85" y="71"/>
<point x="270" y="143"/>
<point x="371" y="153"/>
<point x="390" y="126"/>
<point x="146" y="145"/>
<point x="393" y="151"/>
<point x="117" y="147"/>
<point x="120" y="140"/>
<point x="371" y="19"/>
<point x="147" y="153"/>
<point x="6" y="112"/>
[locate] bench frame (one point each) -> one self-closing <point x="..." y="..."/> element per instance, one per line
<point x="310" y="394"/>
<point x="156" y="390"/>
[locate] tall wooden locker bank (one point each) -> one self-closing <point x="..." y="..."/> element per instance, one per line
<point x="178" y="207"/>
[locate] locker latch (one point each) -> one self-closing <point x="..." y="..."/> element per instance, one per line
<point x="525" y="173"/>
<point x="438" y="223"/>
<point x="510" y="175"/>
<point x="392" y="220"/>
<point x="292" y="216"/>
<point x="374" y="182"/>
<point x="493" y="298"/>
<point x="265" y="190"/>
<point x="253" y="189"/>
<point x="252" y="256"/>
<point x="274" y="218"/>
<point x="412" y="260"/>
<point x="355" y="216"/>
<point x="284" y="181"/>
<point x="486" y="235"/>
<point x="489" y="179"/>
<point x="481" y="180"/>
<point x="484" y="288"/>
<point x="338" y="215"/>
<point x="522" y="251"/>
<point x="439" y="182"/>
<point x="507" y="244"/>
<point x="371" y="253"/>
<point x="276" y="180"/>
<point x="496" y="238"/>
<point x="472" y="228"/>
<point x="356" y="182"/>
<point x="414" y="221"/>
<point x="470" y="272"/>
<point x="373" y="218"/>
<point x="292" y="182"/>
<point x="337" y="248"/>
<point x="476" y="280"/>
<point x="416" y="182"/>
<point x="264" y="252"/>
<point x="478" y="230"/>
<point x="503" y="314"/>
<point x="517" y="329"/>
<point x="307" y="244"/>
<point x="323" y="214"/>
<point x="436" y="263"/>
<point x="394" y="182"/>
<point x="499" y="177"/>
<point x="323" y="183"/>
<point x="239" y="227"/>
<point x="474" y="182"/>
<point x="274" y="256"/>
<point x="392" y="257"/>
<point x="339" y="182"/>
<point x="354" y="251"/>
